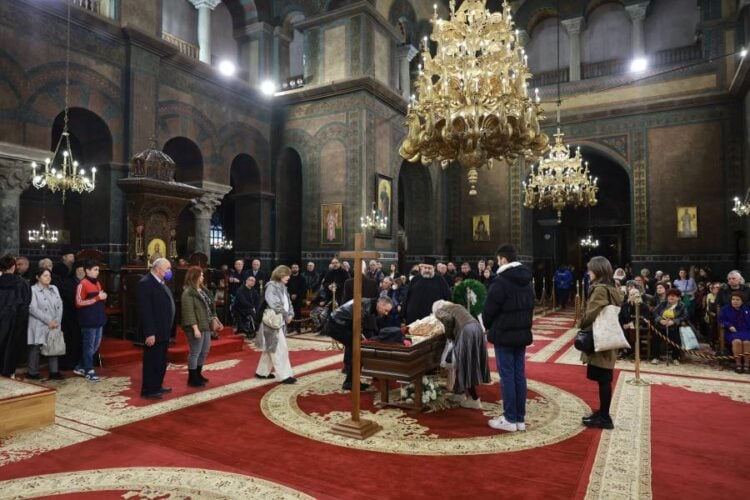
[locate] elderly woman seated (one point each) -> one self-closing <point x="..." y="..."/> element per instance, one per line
<point x="669" y="316"/>
<point x="735" y="318"/>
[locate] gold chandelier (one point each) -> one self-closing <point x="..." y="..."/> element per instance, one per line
<point x="62" y="172"/>
<point x="560" y="180"/>
<point x="472" y="101"/>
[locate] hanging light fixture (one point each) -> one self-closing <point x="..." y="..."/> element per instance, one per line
<point x="560" y="180"/>
<point x="374" y="221"/>
<point x="589" y="241"/>
<point x="223" y="244"/>
<point x="472" y="102"/>
<point x="61" y="171"/>
<point x="44" y="235"/>
<point x="742" y="208"/>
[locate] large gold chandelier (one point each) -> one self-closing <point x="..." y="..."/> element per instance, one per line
<point x="472" y="101"/>
<point x="560" y="180"/>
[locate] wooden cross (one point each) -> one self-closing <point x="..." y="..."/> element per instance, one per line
<point x="355" y="427"/>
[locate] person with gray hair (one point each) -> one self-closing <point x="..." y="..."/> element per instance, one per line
<point x="735" y="283"/>
<point x="272" y="339"/>
<point x="156" y="312"/>
<point x="46" y="264"/>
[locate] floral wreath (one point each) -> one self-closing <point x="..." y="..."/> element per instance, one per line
<point x="470" y="294"/>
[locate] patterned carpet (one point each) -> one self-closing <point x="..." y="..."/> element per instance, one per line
<point x="242" y="437"/>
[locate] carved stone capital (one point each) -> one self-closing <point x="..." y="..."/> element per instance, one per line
<point x="204" y="206"/>
<point x="573" y="26"/>
<point x="14" y="176"/>
<point x="406" y="51"/>
<point x="211" y="4"/>
<point x="637" y="11"/>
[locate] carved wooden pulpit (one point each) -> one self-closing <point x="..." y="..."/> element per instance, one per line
<point x="354" y="426"/>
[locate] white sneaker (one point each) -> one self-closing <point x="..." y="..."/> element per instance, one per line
<point x="521" y="426"/>
<point x="655" y="361"/>
<point x="474" y="404"/>
<point x="501" y="424"/>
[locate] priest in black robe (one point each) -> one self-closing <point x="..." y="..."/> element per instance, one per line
<point x="424" y="291"/>
<point x="336" y="274"/>
<point x="297" y="292"/>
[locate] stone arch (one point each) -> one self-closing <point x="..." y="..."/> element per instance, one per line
<point x="188" y="158"/>
<point x="297" y="41"/>
<point x="238" y="137"/>
<point x="608" y="29"/>
<point x="244" y="12"/>
<point x="179" y="119"/>
<point x="240" y="208"/>
<point x="304" y="145"/>
<point x="88" y="89"/>
<point x="14" y="85"/>
<point x="415" y="195"/>
<point x="402" y="15"/>
<point x="90" y="137"/>
<point x="592" y="5"/>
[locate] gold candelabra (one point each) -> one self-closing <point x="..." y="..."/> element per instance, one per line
<point x="742" y="207"/>
<point x="472" y="102"/>
<point x="44" y="234"/>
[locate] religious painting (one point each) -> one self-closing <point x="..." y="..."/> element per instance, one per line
<point x="156" y="249"/>
<point x="331" y="224"/>
<point x="480" y="227"/>
<point x="687" y="222"/>
<point x="384" y="199"/>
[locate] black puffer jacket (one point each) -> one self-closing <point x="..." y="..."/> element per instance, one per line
<point x="509" y="308"/>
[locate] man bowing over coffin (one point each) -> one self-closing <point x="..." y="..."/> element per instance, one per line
<point x="424" y="291"/>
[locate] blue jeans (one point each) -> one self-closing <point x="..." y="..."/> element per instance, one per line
<point x="511" y="364"/>
<point x="91" y="339"/>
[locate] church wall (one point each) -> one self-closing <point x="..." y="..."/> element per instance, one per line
<point x="683" y="172"/>
<point x="142" y="14"/>
<point x="542" y="47"/>
<point x="180" y="18"/>
<point x="607" y="34"/>
<point x="671" y="23"/>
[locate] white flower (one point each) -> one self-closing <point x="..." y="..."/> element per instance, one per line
<point x="433" y="394"/>
<point x="410" y="400"/>
<point x="425" y="380"/>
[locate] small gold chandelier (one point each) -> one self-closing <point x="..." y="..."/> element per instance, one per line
<point x="742" y="207"/>
<point x="472" y="101"/>
<point x="43" y="235"/>
<point x="589" y="242"/>
<point x="64" y="176"/>
<point x="374" y="221"/>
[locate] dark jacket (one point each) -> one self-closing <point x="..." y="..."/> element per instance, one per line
<point x="343" y="316"/>
<point x="724" y="297"/>
<point x="15" y="298"/>
<point x="370" y="289"/>
<point x="196" y="310"/>
<point x="247" y="301"/>
<point x="509" y="308"/>
<point x="260" y="276"/>
<point x="338" y="276"/>
<point x="90" y="308"/>
<point x="680" y="314"/>
<point x="156" y="309"/>
<point x="312" y="280"/>
<point x="297" y="286"/>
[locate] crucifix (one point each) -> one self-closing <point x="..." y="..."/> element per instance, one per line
<point x="354" y="426"/>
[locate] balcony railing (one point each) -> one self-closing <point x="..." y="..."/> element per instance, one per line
<point x="185" y="48"/>
<point x="104" y="8"/>
<point x="668" y="57"/>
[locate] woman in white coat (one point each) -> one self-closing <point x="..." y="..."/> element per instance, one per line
<point x="45" y="315"/>
<point x="271" y="340"/>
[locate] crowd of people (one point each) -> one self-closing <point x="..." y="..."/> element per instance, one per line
<point x="268" y="307"/>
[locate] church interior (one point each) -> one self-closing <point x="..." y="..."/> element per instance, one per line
<point x="242" y="136"/>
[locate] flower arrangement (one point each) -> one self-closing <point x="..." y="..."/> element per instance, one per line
<point x="430" y="391"/>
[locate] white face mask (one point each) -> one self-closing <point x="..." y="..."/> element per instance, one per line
<point x="393" y="287"/>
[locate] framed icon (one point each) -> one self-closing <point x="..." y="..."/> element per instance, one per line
<point x="687" y="222"/>
<point x="331" y="224"/>
<point x="384" y="203"/>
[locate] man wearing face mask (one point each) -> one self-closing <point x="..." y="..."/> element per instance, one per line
<point x="156" y="310"/>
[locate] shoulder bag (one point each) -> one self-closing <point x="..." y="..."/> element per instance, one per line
<point x="687" y="338"/>
<point x="55" y="345"/>
<point x="608" y="334"/>
<point x="272" y="319"/>
<point x="584" y="341"/>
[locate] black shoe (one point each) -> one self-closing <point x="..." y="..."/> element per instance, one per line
<point x="193" y="380"/>
<point x="165" y="390"/>
<point x="737" y="369"/>
<point x="593" y="416"/>
<point x="200" y="374"/>
<point x="36" y="376"/>
<point x="56" y="376"/>
<point x="152" y="395"/>
<point x="270" y="375"/>
<point x="599" y="423"/>
<point x="289" y="380"/>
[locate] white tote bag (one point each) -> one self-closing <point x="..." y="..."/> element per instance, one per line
<point x="608" y="333"/>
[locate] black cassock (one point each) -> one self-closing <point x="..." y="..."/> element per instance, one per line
<point x="421" y="294"/>
<point x="15" y="297"/>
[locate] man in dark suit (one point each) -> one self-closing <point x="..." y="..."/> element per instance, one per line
<point x="156" y="310"/>
<point x="259" y="274"/>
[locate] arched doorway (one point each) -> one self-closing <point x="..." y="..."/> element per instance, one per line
<point x="188" y="161"/>
<point x="610" y="222"/>
<point x="415" y="209"/>
<point x="289" y="205"/>
<point x="91" y="145"/>
<point x="241" y="206"/>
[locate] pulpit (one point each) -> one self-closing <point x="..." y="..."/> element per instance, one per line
<point x="154" y="202"/>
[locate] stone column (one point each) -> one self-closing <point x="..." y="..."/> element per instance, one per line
<point x="256" y="51"/>
<point x="637" y="14"/>
<point x="404" y="54"/>
<point x="280" y="56"/>
<point x="204" y="27"/>
<point x="573" y="28"/>
<point x="203" y="209"/>
<point x="15" y="177"/>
